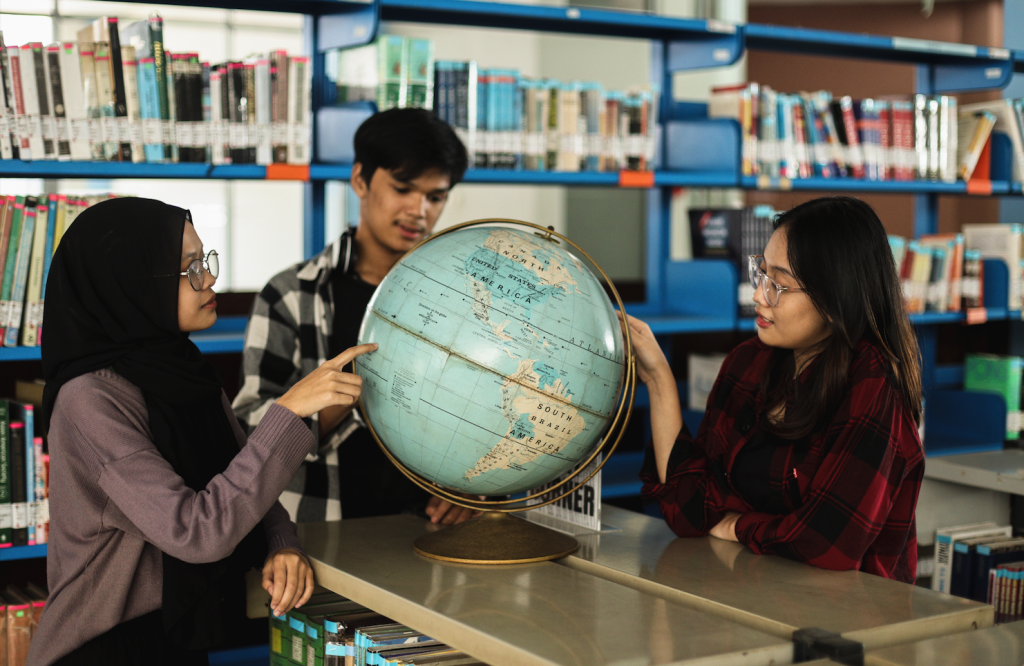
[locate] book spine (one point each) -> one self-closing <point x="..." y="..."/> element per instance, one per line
<point x="55" y="85"/>
<point x="20" y="127"/>
<point x="19" y="503"/>
<point x="117" y="78"/>
<point x="300" y="90"/>
<point x="178" y="69"/>
<point x="33" y="290"/>
<point x="5" y="236"/>
<point x="16" y="304"/>
<point x="105" y="98"/>
<point x="7" y="284"/>
<point x="57" y="206"/>
<point x="90" y="94"/>
<point x="42" y="507"/>
<point x="32" y="127"/>
<point x="74" y="101"/>
<point x="249" y="116"/>
<point x="133" y="103"/>
<point x="8" y="121"/>
<point x="149" y="110"/>
<point x="279" y="132"/>
<point x="49" y="128"/>
<point x="199" y="82"/>
<point x="264" y="111"/>
<point x="6" y="524"/>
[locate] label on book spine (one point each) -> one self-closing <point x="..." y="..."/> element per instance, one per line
<point x="168" y="131"/>
<point x="19" y="515"/>
<point x="152" y="131"/>
<point x="200" y="135"/>
<point x="6" y="518"/>
<point x="297" y="649"/>
<point x="124" y="130"/>
<point x="184" y="130"/>
<point x="14" y="312"/>
<point x="5" y="309"/>
<point x="42" y="512"/>
<point x="49" y="128"/>
<point x="109" y="125"/>
<point x="95" y="130"/>
<point x="63" y="129"/>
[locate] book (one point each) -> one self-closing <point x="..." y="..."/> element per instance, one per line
<point x="6" y="515"/>
<point x="299" y="94"/>
<point x="73" y="92"/>
<point x="25" y="413"/>
<point x="961" y="582"/>
<point x="1000" y="241"/>
<point x="105" y="30"/>
<point x="1001" y="375"/>
<point x="975" y="129"/>
<point x="1006" y="121"/>
<point x="91" y="98"/>
<point x="419" y="72"/>
<point x="142" y="36"/>
<point x="133" y="103"/>
<point x="45" y="104"/>
<point x="40" y="473"/>
<point x="8" y="121"/>
<point x="110" y="142"/>
<point x="19" y="497"/>
<point x="19" y="273"/>
<point x="55" y="86"/>
<point x="34" y="285"/>
<point x="11" y="241"/>
<point x="32" y="124"/>
<point x="988" y="556"/>
<point x="279" y="106"/>
<point x="945" y="539"/>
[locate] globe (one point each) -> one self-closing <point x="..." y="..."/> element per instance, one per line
<point x="500" y="360"/>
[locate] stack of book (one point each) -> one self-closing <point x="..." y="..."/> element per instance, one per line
<point x="335" y="631"/>
<point x="813" y="134"/>
<point x="20" y="610"/>
<point x="732" y="234"/>
<point x="24" y="477"/>
<point x="31" y="227"/>
<point x="506" y="120"/>
<point x="982" y="562"/>
<point x="116" y="94"/>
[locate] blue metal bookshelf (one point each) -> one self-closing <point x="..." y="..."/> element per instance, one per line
<point x="12" y="553"/>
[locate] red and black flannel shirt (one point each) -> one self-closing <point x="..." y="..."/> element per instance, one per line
<point x="851" y="493"/>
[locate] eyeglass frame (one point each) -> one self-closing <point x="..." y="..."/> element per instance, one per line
<point x="754" y="269"/>
<point x="204" y="264"/>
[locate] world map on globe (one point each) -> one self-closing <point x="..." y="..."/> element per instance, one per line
<point x="500" y="360"/>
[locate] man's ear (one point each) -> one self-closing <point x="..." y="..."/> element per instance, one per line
<point x="358" y="184"/>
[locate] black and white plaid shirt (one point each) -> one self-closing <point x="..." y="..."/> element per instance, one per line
<point x="288" y="337"/>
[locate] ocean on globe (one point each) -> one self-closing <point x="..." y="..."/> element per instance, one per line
<point x="500" y="360"/>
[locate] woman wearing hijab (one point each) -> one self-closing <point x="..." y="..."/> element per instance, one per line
<point x="159" y="504"/>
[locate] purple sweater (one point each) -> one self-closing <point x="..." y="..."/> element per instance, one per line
<point x="116" y="504"/>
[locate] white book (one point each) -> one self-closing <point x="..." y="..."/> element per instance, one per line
<point x="34" y="286"/>
<point x="299" y="91"/>
<point x="946" y="538"/>
<point x="18" y="123"/>
<point x="1006" y="122"/>
<point x="217" y="155"/>
<point x="32" y="126"/>
<point x="264" y="153"/>
<point x="74" y="101"/>
<point x="130" y="66"/>
<point x="948" y="131"/>
<point x="6" y="112"/>
<point x="999" y="241"/>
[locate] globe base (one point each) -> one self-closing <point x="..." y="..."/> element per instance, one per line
<point x="495" y="538"/>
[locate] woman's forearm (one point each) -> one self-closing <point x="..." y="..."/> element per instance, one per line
<point x="666" y="420"/>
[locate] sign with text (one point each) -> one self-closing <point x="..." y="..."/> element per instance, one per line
<point x="582" y="507"/>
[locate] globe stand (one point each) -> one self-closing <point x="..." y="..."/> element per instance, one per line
<point x="495" y="538"/>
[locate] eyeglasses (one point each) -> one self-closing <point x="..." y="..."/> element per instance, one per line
<point x="195" y="270"/>
<point x="758" y="278"/>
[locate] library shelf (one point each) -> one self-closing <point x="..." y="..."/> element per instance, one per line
<point x="95" y="170"/>
<point x="22" y="552"/>
<point x="993" y="470"/>
<point x="876" y="186"/>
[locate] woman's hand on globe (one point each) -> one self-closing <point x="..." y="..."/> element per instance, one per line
<point x="446" y="513"/>
<point x="327" y="385"/>
<point x="651" y="364"/>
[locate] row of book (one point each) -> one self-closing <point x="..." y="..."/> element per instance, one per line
<point x="813" y="134"/>
<point x="505" y="119"/>
<point x="20" y="610"/>
<point x="24" y="477"/>
<point x="118" y="95"/>
<point x="983" y="562"/>
<point x="938" y="274"/>
<point x="335" y="631"/>
<point x="31" y="227"/>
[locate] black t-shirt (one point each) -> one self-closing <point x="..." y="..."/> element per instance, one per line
<point x="370" y="484"/>
<point x="750" y="474"/>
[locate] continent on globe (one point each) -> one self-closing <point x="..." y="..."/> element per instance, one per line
<point x="539" y="423"/>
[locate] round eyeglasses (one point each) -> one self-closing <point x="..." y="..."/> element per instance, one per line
<point x="758" y="278"/>
<point x="195" y="270"/>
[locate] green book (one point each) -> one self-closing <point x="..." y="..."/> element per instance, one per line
<point x="7" y="280"/>
<point x="419" y="72"/>
<point x="6" y="518"/>
<point x="1001" y="375"/>
<point x="391" y="72"/>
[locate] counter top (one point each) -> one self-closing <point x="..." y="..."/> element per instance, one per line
<point x="767" y="592"/>
<point x="522" y="615"/>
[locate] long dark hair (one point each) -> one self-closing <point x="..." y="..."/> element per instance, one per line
<point x="838" y="250"/>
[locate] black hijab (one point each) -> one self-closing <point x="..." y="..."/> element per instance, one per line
<point x="112" y="302"/>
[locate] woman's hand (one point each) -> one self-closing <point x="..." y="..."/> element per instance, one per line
<point x="726" y="528"/>
<point x="651" y="364"/>
<point x="288" y="579"/>
<point x="446" y="513"/>
<point x="327" y="385"/>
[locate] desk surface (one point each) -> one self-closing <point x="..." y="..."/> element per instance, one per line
<point x="995" y="646"/>
<point x="536" y="614"/>
<point x="769" y="593"/>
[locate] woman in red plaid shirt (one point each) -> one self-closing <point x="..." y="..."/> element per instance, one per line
<point x="809" y="447"/>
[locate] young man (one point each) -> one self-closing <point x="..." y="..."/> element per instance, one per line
<point x="406" y="162"/>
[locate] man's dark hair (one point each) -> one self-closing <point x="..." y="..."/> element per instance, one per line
<point x="409" y="143"/>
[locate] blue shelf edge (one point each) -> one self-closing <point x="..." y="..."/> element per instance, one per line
<point x="879" y="186"/>
<point x="22" y="552"/>
<point x="243" y="656"/>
